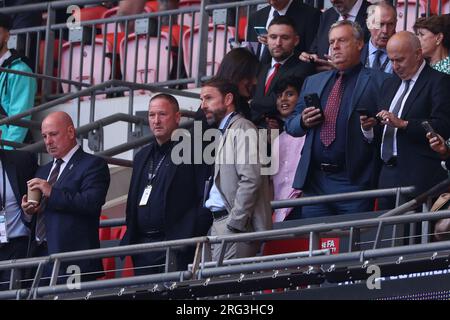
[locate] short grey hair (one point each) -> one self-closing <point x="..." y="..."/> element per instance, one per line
<point x="358" y="33"/>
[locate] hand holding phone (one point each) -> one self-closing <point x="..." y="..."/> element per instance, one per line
<point x="429" y="129"/>
<point x="260" y="31"/>
<point x="313" y="100"/>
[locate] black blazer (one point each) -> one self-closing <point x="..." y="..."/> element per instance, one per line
<point x="320" y="44"/>
<point x="20" y="166"/>
<point x="262" y="104"/>
<point x="306" y="20"/>
<point x="184" y="215"/>
<point x="429" y="100"/>
<point x="72" y="212"/>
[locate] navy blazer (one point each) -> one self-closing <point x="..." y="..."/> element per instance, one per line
<point x="320" y="44"/>
<point x="184" y="215"/>
<point x="72" y="212"/>
<point x="360" y="155"/>
<point x="306" y="20"/>
<point x="429" y="100"/>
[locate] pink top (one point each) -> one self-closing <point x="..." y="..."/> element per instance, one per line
<point x="287" y="150"/>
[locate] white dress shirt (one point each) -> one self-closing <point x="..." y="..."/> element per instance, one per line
<point x="4" y="57"/>
<point x="66" y="159"/>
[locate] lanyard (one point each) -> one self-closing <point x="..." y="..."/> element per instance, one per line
<point x="154" y="171"/>
<point x="225" y="127"/>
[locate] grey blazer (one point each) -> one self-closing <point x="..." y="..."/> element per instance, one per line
<point x="239" y="180"/>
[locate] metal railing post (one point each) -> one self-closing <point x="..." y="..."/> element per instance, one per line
<point x="203" y="43"/>
<point x="48" y="59"/>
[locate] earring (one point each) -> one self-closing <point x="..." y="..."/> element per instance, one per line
<point x="438" y="43"/>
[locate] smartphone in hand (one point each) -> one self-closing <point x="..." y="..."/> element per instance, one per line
<point x="428" y="128"/>
<point x="313" y="100"/>
<point x="260" y="31"/>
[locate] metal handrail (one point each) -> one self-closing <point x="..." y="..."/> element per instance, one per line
<point x="289" y="203"/>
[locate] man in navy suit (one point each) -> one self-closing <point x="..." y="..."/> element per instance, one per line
<point x="306" y="22"/>
<point x="17" y="167"/>
<point x="381" y="22"/>
<point x="352" y="10"/>
<point x="416" y="93"/>
<point x="74" y="187"/>
<point x="336" y="156"/>
<point x="165" y="200"/>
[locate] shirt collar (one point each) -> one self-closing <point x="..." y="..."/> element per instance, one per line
<point x="224" y="120"/>
<point x="417" y="74"/>
<point x="280" y="62"/>
<point x="281" y="12"/>
<point x="69" y="154"/>
<point x="373" y="49"/>
<point x="354" y="11"/>
<point x="352" y="70"/>
<point x="5" y="56"/>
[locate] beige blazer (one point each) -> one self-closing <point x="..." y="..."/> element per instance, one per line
<point x="239" y="180"/>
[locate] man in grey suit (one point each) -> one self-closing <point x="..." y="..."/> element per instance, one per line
<point x="336" y="156"/>
<point x="239" y="196"/>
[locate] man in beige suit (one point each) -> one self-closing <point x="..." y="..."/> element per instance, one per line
<point x="239" y="197"/>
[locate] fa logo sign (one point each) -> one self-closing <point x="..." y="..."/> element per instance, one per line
<point x="373" y="282"/>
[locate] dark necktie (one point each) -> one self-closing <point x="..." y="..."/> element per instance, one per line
<point x="377" y="60"/>
<point x="40" y="223"/>
<point x="328" y="131"/>
<point x="269" y="80"/>
<point x="387" y="150"/>
<point x="265" y="56"/>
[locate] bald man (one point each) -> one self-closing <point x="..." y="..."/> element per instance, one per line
<point x="73" y="187"/>
<point x="416" y="93"/>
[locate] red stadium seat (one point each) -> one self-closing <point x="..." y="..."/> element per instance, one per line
<point x="92" y="55"/>
<point x="140" y="44"/>
<point x="242" y="28"/>
<point x="152" y="5"/>
<point x="109" y="264"/>
<point x="188" y="17"/>
<point x="213" y="61"/>
<point x="411" y="18"/>
<point x="91" y="13"/>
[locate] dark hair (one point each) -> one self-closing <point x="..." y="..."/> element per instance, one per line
<point x="223" y="86"/>
<point x="435" y="24"/>
<point x="168" y="97"/>
<point x="238" y="64"/>
<point x="5" y="21"/>
<point x="284" y="83"/>
<point x="284" y="20"/>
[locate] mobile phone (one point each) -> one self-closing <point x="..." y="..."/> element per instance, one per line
<point x="260" y="31"/>
<point x="313" y="100"/>
<point x="428" y="128"/>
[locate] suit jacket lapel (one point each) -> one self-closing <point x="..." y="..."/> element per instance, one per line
<point x="222" y="142"/>
<point x="420" y="83"/>
<point x="70" y="165"/>
<point x="11" y="172"/>
<point x="361" y="83"/>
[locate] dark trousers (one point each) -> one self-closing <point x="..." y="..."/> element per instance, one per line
<point x="16" y="248"/>
<point x="322" y="183"/>
<point x="389" y="178"/>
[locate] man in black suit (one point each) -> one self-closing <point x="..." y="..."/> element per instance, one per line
<point x="17" y="168"/>
<point x="417" y="93"/>
<point x="306" y="23"/>
<point x="73" y="187"/>
<point x="282" y="40"/>
<point x="165" y="200"/>
<point x="381" y="21"/>
<point x="353" y="10"/>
